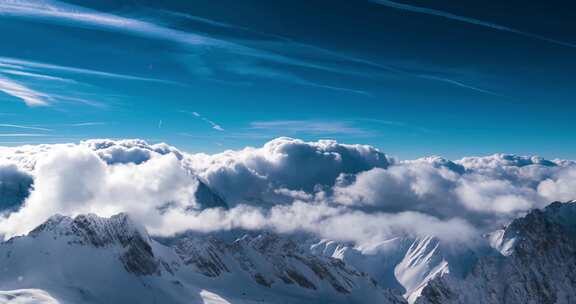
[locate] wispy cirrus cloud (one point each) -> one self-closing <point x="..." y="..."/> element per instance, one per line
<point x="24" y="127"/>
<point x="285" y="43"/>
<point x="88" y="124"/>
<point x="460" y="84"/>
<point x="67" y="14"/>
<point x="451" y="16"/>
<point x="310" y="127"/>
<point x="394" y="123"/>
<point x="76" y="16"/>
<point x="24" y="135"/>
<point x="26" y="94"/>
<point x="76" y="124"/>
<point x="36" y="75"/>
<point x="355" y="127"/>
<point x="203" y="20"/>
<point x="17" y="73"/>
<point x="26" y="70"/>
<point x="42" y="66"/>
<point x="282" y="75"/>
<point x="267" y="129"/>
<point x="304" y="47"/>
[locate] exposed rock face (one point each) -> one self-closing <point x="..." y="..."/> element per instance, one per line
<point x="269" y="259"/>
<point x="535" y="263"/>
<point x="207" y="198"/>
<point x="118" y="230"/>
<point x="203" y="255"/>
<point x="14" y="187"/>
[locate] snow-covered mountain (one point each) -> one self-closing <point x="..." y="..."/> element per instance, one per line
<point x="532" y="260"/>
<point x="403" y="263"/>
<point x="535" y="262"/>
<point x="89" y="259"/>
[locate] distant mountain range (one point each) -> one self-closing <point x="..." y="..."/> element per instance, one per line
<point x="90" y="259"/>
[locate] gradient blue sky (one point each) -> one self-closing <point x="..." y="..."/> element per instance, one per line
<point x="413" y="78"/>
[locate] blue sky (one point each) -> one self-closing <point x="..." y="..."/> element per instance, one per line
<point x="413" y="78"/>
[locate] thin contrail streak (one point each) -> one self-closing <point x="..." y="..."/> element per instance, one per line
<point x="434" y="12"/>
<point x="460" y="84"/>
<point x="23" y="127"/>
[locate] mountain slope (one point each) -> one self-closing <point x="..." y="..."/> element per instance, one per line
<point x="403" y="263"/>
<point x="89" y="259"/>
<point x="535" y="262"/>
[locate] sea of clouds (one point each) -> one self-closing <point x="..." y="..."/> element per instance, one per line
<point x="337" y="191"/>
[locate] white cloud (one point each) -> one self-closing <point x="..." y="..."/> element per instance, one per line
<point x="326" y="221"/>
<point x="345" y="192"/>
<point x="23" y="127"/>
<point x="75" y="179"/>
<point x="21" y="64"/>
<point x="65" y="179"/>
<point x="78" y="16"/>
<point x="23" y="134"/>
<point x="315" y="127"/>
<point x="36" y="75"/>
<point x="14" y="82"/>
<point x="87" y="124"/>
<point x="128" y="151"/>
<point x="247" y="57"/>
<point x="485" y="191"/>
<point x="29" y="96"/>
<point x="62" y="13"/>
<point x="253" y="173"/>
<point x="561" y="187"/>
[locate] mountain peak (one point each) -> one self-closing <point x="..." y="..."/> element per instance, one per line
<point x="116" y="231"/>
<point x="537" y="252"/>
<point x="92" y="229"/>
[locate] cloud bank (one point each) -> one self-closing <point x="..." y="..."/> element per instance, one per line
<point x="338" y="191"/>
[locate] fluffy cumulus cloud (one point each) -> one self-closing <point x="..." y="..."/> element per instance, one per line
<point x="447" y="189"/>
<point x="345" y="192"/>
<point x="128" y="151"/>
<point x="77" y="179"/>
<point x="561" y="187"/>
<point x="254" y="174"/>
